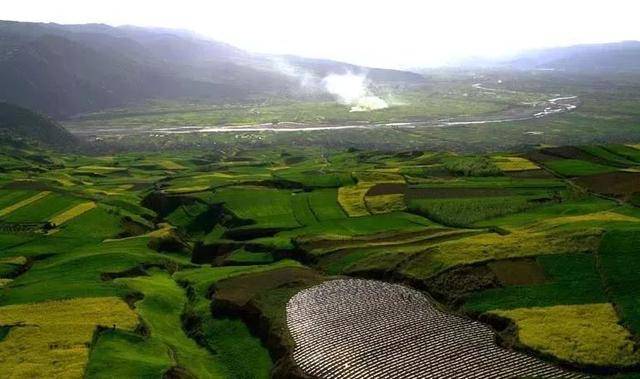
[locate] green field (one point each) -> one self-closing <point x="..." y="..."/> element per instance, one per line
<point x="208" y="248"/>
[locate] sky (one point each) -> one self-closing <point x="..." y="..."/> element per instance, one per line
<point x="395" y="34"/>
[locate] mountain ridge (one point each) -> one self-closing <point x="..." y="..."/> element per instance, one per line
<point x="64" y="70"/>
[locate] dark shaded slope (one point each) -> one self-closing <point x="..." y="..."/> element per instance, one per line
<point x="63" y="70"/>
<point x="21" y="123"/>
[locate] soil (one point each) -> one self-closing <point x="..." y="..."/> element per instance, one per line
<point x="519" y="272"/>
<point x="571" y="152"/>
<point x="451" y="286"/>
<point x="240" y="290"/>
<point x="236" y="297"/>
<point x="620" y="185"/>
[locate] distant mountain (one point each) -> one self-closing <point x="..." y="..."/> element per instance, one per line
<point x="68" y="69"/>
<point x="598" y="58"/>
<point x="18" y="123"/>
<point x="617" y="57"/>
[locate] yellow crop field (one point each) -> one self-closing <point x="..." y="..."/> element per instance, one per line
<point x="72" y="213"/>
<point x="171" y="165"/>
<point x="18" y="260"/>
<point x="187" y="189"/>
<point x="23" y="203"/>
<point x="514" y="164"/>
<point x="605" y="216"/>
<point x="519" y="243"/>
<point x="51" y="339"/>
<point x="100" y="169"/>
<point x="385" y="203"/>
<point x="587" y="334"/>
<point x="351" y="198"/>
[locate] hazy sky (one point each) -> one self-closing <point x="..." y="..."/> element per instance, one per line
<point x="397" y="33"/>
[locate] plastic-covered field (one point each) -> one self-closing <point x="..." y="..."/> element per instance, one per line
<point x="370" y="329"/>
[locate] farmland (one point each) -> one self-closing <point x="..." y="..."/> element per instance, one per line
<point x="186" y="263"/>
<point x="433" y="117"/>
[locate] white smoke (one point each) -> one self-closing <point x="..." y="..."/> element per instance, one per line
<point x="349" y="89"/>
<point x="352" y="89"/>
<point x="305" y="79"/>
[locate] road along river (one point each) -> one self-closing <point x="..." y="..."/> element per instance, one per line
<point x="556" y="105"/>
<point x="370" y="329"/>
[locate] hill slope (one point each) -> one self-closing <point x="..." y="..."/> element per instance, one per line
<point x="604" y="58"/>
<point x="63" y="70"/>
<point x="19" y="122"/>
<point x="597" y="58"/>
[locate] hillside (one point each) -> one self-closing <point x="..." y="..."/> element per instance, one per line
<point x="19" y="122"/>
<point x="63" y="70"/>
<point x="606" y="58"/>
<point x="596" y="58"/>
<point x="214" y="264"/>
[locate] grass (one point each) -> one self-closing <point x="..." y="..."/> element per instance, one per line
<point x="257" y="205"/>
<point x="12" y="208"/>
<point x="502" y="182"/>
<point x="608" y="155"/>
<point x="103" y="170"/>
<point x="587" y="334"/>
<point x="628" y="152"/>
<point x="416" y="104"/>
<point x="472" y="166"/>
<point x="229" y="338"/>
<point x="351" y="199"/>
<point x="302" y="209"/>
<point x="464" y="212"/>
<point x="51" y="339"/>
<point x="243" y="257"/>
<point x="42" y="209"/>
<point x="10" y="265"/>
<point x="77" y="261"/>
<point x="267" y="207"/>
<point x="508" y="164"/>
<point x="571" y="279"/>
<point x="324" y="204"/>
<point x="72" y="213"/>
<point x="571" y="208"/>
<point x="358" y="226"/>
<point x="12" y="196"/>
<point x="576" y="167"/>
<point x="317" y="179"/>
<point x="597" y="217"/>
<point x="490" y="246"/>
<point x="619" y="263"/>
<point x="136" y="356"/>
<point x="160" y="309"/>
<point x="385" y="203"/>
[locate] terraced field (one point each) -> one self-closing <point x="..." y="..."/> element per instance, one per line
<point x="363" y="329"/>
<point x="195" y="256"/>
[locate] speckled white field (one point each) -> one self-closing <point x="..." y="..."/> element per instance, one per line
<point x="370" y="329"/>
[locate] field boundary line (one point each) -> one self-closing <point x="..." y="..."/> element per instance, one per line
<point x="72" y="213"/>
<point x="23" y="203"/>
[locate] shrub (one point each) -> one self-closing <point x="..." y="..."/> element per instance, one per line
<point x="471" y="166"/>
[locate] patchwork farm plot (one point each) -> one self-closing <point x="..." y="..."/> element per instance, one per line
<point x="182" y="264"/>
<point x="359" y="329"/>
